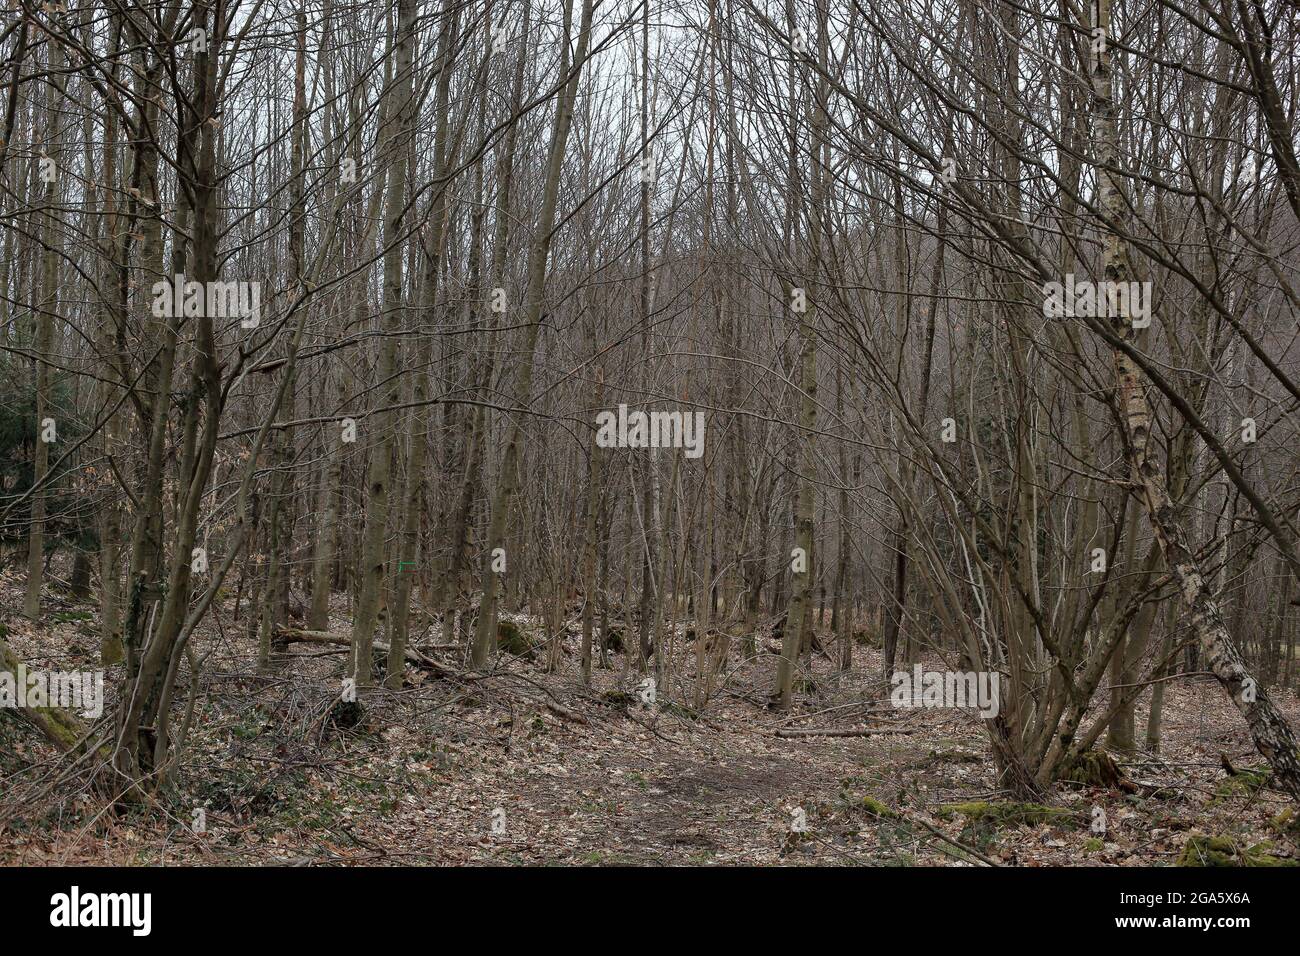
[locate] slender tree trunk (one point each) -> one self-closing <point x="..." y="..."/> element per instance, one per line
<point x="1268" y="727"/>
<point x="384" y="422"/>
<point x="485" y="632"/>
<point x="591" y="533"/>
<point x="417" y="439"/>
<point x="51" y="244"/>
<point x="802" y="561"/>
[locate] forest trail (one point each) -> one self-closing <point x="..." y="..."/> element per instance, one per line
<point x="524" y="766"/>
<point x="625" y="795"/>
<point x="364" y="368"/>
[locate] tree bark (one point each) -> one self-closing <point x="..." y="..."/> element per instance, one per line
<point x="1270" y="731"/>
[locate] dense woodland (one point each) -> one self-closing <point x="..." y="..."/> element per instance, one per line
<point x="311" y="313"/>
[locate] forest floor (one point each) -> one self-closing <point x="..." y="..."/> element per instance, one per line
<point x="522" y="766"/>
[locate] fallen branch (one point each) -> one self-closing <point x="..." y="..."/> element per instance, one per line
<point x="564" y="712"/>
<point x="947" y="839"/>
<point x="282" y="637"/>
<point x="844" y="732"/>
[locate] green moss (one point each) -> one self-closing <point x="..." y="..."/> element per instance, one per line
<point x="60" y="726"/>
<point x="1010" y="814"/>
<point x="618" y="698"/>
<point x="245" y="730"/>
<point x="1096" y="768"/>
<point x="512" y="639"/>
<point x="69" y="617"/>
<point x="1243" y="783"/>
<point x="346" y="713"/>
<point x="877" y="809"/>
<point x="613" y="638"/>
<point x="1287" y="822"/>
<point x="1224" y="851"/>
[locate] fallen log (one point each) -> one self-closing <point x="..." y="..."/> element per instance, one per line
<point x="60" y="726"/>
<point x="282" y="637"/>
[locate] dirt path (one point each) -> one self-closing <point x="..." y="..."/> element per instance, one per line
<point x="527" y="767"/>
<point x="620" y="792"/>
